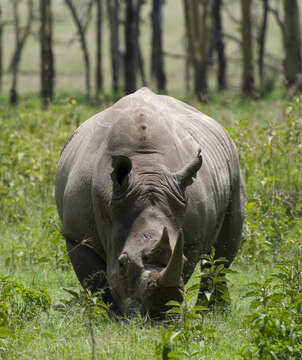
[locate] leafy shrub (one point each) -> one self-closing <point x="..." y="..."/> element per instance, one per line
<point x="89" y="305"/>
<point x="184" y="337"/>
<point x="18" y="305"/>
<point x="276" y="321"/>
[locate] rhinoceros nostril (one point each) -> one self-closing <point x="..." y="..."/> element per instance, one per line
<point x="123" y="259"/>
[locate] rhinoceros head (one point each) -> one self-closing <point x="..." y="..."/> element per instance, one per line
<point x="146" y="261"/>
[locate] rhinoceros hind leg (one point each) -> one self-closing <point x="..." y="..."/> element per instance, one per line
<point x="90" y="269"/>
<point x="226" y="246"/>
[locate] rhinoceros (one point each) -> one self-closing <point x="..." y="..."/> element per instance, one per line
<point x="144" y="188"/>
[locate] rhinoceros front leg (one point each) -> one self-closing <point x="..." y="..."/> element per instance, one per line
<point x="90" y="269"/>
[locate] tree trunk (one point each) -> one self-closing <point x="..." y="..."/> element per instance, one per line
<point x="247" y="49"/>
<point x="47" y="61"/>
<point x="141" y="65"/>
<point x="219" y="44"/>
<point x="140" y="58"/>
<point x="20" y="40"/>
<point x="197" y="30"/>
<point x="187" y="71"/>
<point x="157" y="54"/>
<point x="130" y="47"/>
<point x="261" y="41"/>
<point x="113" y="9"/>
<point x="292" y="41"/>
<point x="82" y="35"/>
<point x="99" y="72"/>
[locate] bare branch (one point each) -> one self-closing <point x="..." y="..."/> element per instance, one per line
<point x="230" y="14"/>
<point x="21" y="36"/>
<point x="232" y="37"/>
<point x="276" y="13"/>
<point x="175" y="56"/>
<point x="82" y="36"/>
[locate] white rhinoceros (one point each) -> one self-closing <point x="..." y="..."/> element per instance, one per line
<point x="143" y="189"/>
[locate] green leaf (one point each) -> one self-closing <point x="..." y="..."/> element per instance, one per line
<point x="199" y="308"/>
<point x="230" y="271"/>
<point x="174" y="311"/>
<point x="195" y="316"/>
<point x="72" y="292"/>
<point x="173" y="303"/>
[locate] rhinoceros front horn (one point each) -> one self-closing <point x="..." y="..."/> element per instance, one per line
<point x="171" y="275"/>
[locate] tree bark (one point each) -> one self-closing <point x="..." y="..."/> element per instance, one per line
<point x="113" y="9"/>
<point x="219" y="44"/>
<point x="157" y="54"/>
<point x="82" y="35"/>
<point x="292" y="42"/>
<point x="99" y="43"/>
<point x="131" y="47"/>
<point x="197" y="31"/>
<point x="261" y="41"/>
<point x="47" y="59"/>
<point x="20" y="40"/>
<point x="247" y="86"/>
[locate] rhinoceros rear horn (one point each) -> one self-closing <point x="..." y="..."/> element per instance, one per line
<point x="185" y="176"/>
<point x="171" y="275"/>
<point x="122" y="166"/>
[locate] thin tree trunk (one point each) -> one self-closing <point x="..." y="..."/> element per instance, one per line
<point x="131" y="48"/>
<point x="140" y="58"/>
<point x="141" y="65"/>
<point x="20" y="40"/>
<point x="187" y="72"/>
<point x="82" y="36"/>
<point x="292" y="41"/>
<point x="197" y="29"/>
<point x="99" y="42"/>
<point x="247" y="49"/>
<point x="261" y="41"/>
<point x="113" y="9"/>
<point x="157" y="54"/>
<point x="47" y="60"/>
<point x="219" y="44"/>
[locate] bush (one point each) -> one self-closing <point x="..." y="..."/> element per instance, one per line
<point x="276" y="321"/>
<point x="18" y="305"/>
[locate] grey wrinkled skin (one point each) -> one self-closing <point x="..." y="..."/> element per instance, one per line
<point x="130" y="182"/>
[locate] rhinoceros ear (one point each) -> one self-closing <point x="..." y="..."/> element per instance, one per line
<point x="185" y="176"/>
<point x="122" y="166"/>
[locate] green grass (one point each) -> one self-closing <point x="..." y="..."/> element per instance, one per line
<point x="32" y="251"/>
